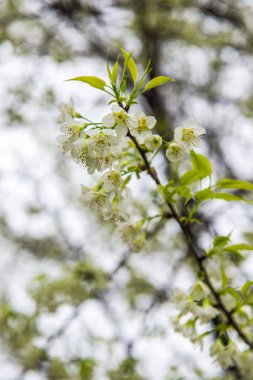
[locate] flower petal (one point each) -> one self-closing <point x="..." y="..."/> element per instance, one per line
<point x="178" y="133"/>
<point x="151" y="121"/>
<point x="116" y="108"/>
<point x="121" y="130"/>
<point x="108" y="120"/>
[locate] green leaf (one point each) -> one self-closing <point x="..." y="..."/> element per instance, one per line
<point x="232" y="251"/>
<point x="224" y="278"/>
<point x="91" y="80"/>
<point x="207" y="194"/>
<point x="240" y="247"/>
<point x="234" y="293"/>
<point x="221" y="241"/>
<point x="130" y="64"/>
<point x="204" y="195"/>
<point x="201" y="168"/>
<point x="201" y="163"/>
<point x="157" y="81"/>
<point x="246" y="287"/>
<point x="168" y="190"/>
<point x="107" y="65"/>
<point x="115" y="72"/>
<point x="219" y="244"/>
<point x="228" y="183"/>
<point x="190" y="177"/>
<point x="123" y="86"/>
<point x="227" y="197"/>
<point x="185" y="192"/>
<point x="249" y="299"/>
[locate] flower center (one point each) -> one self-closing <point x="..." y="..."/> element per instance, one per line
<point x="155" y="141"/>
<point x="175" y="149"/>
<point x="120" y="117"/>
<point x="142" y="125"/>
<point x="101" y="138"/>
<point x="188" y="134"/>
<point x="114" y="177"/>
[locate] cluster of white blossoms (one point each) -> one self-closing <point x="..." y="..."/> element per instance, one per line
<point x="244" y="360"/>
<point x="224" y="354"/>
<point x="132" y="234"/>
<point x="193" y="307"/>
<point x="196" y="302"/>
<point x="186" y="138"/>
<point x="103" y="147"/>
<point x="97" y="146"/>
<point x="138" y="125"/>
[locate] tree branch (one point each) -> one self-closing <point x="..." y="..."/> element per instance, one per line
<point x="197" y="252"/>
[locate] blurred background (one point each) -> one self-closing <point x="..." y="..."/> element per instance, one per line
<point x="76" y="304"/>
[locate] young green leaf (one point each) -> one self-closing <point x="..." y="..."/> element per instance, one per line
<point x="207" y="194"/>
<point x="227" y="197"/>
<point x="115" y="72"/>
<point x="232" y="251"/>
<point x="201" y="163"/>
<point x="185" y="192"/>
<point x="201" y="168"/>
<point x="190" y="177"/>
<point x="246" y="287"/>
<point x="234" y="293"/>
<point x="157" y="81"/>
<point x="240" y="247"/>
<point x="221" y="241"/>
<point x="228" y="183"/>
<point x="91" y="80"/>
<point x="130" y="64"/>
<point x="107" y="66"/>
<point x="204" y="195"/>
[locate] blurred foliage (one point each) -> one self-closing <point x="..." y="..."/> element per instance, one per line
<point x="68" y="30"/>
<point x="76" y="285"/>
<point x="125" y="371"/>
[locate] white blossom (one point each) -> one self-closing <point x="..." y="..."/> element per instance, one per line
<point x="107" y="161"/>
<point x="83" y="153"/>
<point x="94" y="199"/>
<point x="141" y="126"/>
<point x="153" y="142"/>
<point x="132" y="235"/>
<point x="72" y="128"/>
<point x="206" y="313"/>
<point x="199" y="291"/>
<point x="187" y="329"/>
<point x="188" y="135"/>
<point x="66" y="109"/>
<point x="65" y="143"/>
<point x="244" y="360"/>
<point x="96" y="150"/>
<point x="175" y="151"/>
<point x="177" y="296"/>
<point x="119" y="119"/>
<point x="102" y="142"/>
<point x="120" y="206"/>
<point x="184" y="303"/>
<point x="224" y="355"/>
<point x="111" y="180"/>
<point x="115" y="211"/>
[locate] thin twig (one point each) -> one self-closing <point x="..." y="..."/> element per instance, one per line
<point x="198" y="253"/>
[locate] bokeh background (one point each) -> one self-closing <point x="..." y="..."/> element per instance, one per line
<point x="76" y="304"/>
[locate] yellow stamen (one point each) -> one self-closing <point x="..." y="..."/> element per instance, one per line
<point x="120" y="117"/>
<point x="142" y="125"/>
